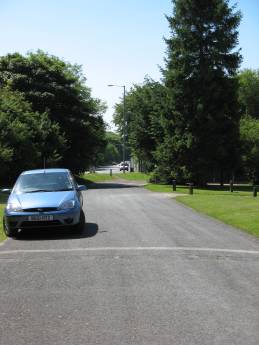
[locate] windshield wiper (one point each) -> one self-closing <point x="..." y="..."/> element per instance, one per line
<point x="39" y="190"/>
<point x="62" y="190"/>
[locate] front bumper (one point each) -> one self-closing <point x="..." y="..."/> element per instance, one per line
<point x="20" y="220"/>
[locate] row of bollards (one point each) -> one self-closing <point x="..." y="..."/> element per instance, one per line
<point x="189" y="184"/>
<point x="231" y="188"/>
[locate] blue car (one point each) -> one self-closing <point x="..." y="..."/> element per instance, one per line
<point x="44" y="199"/>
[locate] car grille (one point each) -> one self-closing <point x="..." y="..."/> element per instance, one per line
<point x="40" y="209"/>
<point x="39" y="224"/>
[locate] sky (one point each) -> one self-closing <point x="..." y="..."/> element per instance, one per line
<point x="116" y="41"/>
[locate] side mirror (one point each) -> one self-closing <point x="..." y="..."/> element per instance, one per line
<point x="81" y="187"/>
<point x="6" y="190"/>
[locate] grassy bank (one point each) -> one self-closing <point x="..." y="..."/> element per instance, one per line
<point x="96" y="177"/>
<point x="3" y="198"/>
<point x="133" y="176"/>
<point x="239" y="209"/>
<point x="213" y="190"/>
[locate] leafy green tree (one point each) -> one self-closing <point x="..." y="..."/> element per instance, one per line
<point x="113" y="149"/>
<point x="202" y="129"/>
<point x="111" y="154"/>
<point x="144" y="106"/>
<point x="249" y="136"/>
<point x="58" y="89"/>
<point x="249" y="92"/>
<point x="23" y="133"/>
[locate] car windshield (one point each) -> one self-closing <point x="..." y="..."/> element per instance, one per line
<point x="43" y="182"/>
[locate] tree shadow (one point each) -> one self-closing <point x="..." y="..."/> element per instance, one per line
<point x="61" y="233"/>
<point x="225" y="187"/>
<point x="111" y="185"/>
<point x="105" y="185"/>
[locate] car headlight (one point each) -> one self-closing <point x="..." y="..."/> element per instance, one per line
<point x="13" y="207"/>
<point x="67" y="204"/>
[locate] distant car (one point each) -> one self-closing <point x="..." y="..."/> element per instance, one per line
<point x="124" y="166"/>
<point x="44" y="198"/>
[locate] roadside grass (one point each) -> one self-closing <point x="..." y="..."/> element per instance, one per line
<point x="211" y="190"/>
<point x="95" y="177"/>
<point x="239" y="209"/>
<point x="133" y="176"/>
<point x="3" y="198"/>
<point x="92" y="178"/>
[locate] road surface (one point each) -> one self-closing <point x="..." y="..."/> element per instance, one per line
<point x="107" y="168"/>
<point x="147" y="271"/>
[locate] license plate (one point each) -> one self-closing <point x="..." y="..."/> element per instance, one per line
<point x="41" y="218"/>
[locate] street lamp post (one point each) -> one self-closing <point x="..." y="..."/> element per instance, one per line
<point x="124" y="124"/>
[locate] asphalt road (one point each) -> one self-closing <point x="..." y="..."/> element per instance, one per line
<point x="146" y="271"/>
<point x="106" y="169"/>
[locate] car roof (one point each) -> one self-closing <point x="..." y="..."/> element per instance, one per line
<point x="41" y="171"/>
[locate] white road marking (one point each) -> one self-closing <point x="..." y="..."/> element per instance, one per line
<point x="107" y="249"/>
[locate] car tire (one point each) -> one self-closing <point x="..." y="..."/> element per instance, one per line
<point x="9" y="232"/>
<point x="79" y="228"/>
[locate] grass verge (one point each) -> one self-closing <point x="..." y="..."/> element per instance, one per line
<point x="213" y="190"/>
<point x="3" y="199"/>
<point x="133" y="176"/>
<point x="94" y="177"/>
<point x="239" y="209"/>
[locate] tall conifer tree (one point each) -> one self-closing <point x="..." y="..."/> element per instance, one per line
<point x="202" y="60"/>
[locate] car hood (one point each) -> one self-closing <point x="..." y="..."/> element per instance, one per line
<point x="41" y="199"/>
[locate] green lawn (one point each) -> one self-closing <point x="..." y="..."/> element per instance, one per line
<point x="134" y="176"/>
<point x="94" y="177"/>
<point x="239" y="209"/>
<point x="3" y="198"/>
<point x="213" y="190"/>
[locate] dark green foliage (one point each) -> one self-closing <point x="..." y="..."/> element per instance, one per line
<point x="188" y="127"/>
<point x="201" y="131"/>
<point x="113" y="149"/>
<point x="144" y="107"/>
<point x="249" y="133"/>
<point x="249" y="92"/>
<point x="24" y="135"/>
<point x="58" y="89"/>
<point x="249" y="124"/>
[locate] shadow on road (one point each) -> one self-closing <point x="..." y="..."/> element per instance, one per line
<point x="108" y="185"/>
<point x="90" y="230"/>
<point x="111" y="185"/>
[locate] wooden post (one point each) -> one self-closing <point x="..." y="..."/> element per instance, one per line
<point x="231" y="186"/>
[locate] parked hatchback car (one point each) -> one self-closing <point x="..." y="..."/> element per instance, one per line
<point x="44" y="198"/>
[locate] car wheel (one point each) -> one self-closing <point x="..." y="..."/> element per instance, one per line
<point x="9" y="232"/>
<point x="79" y="228"/>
